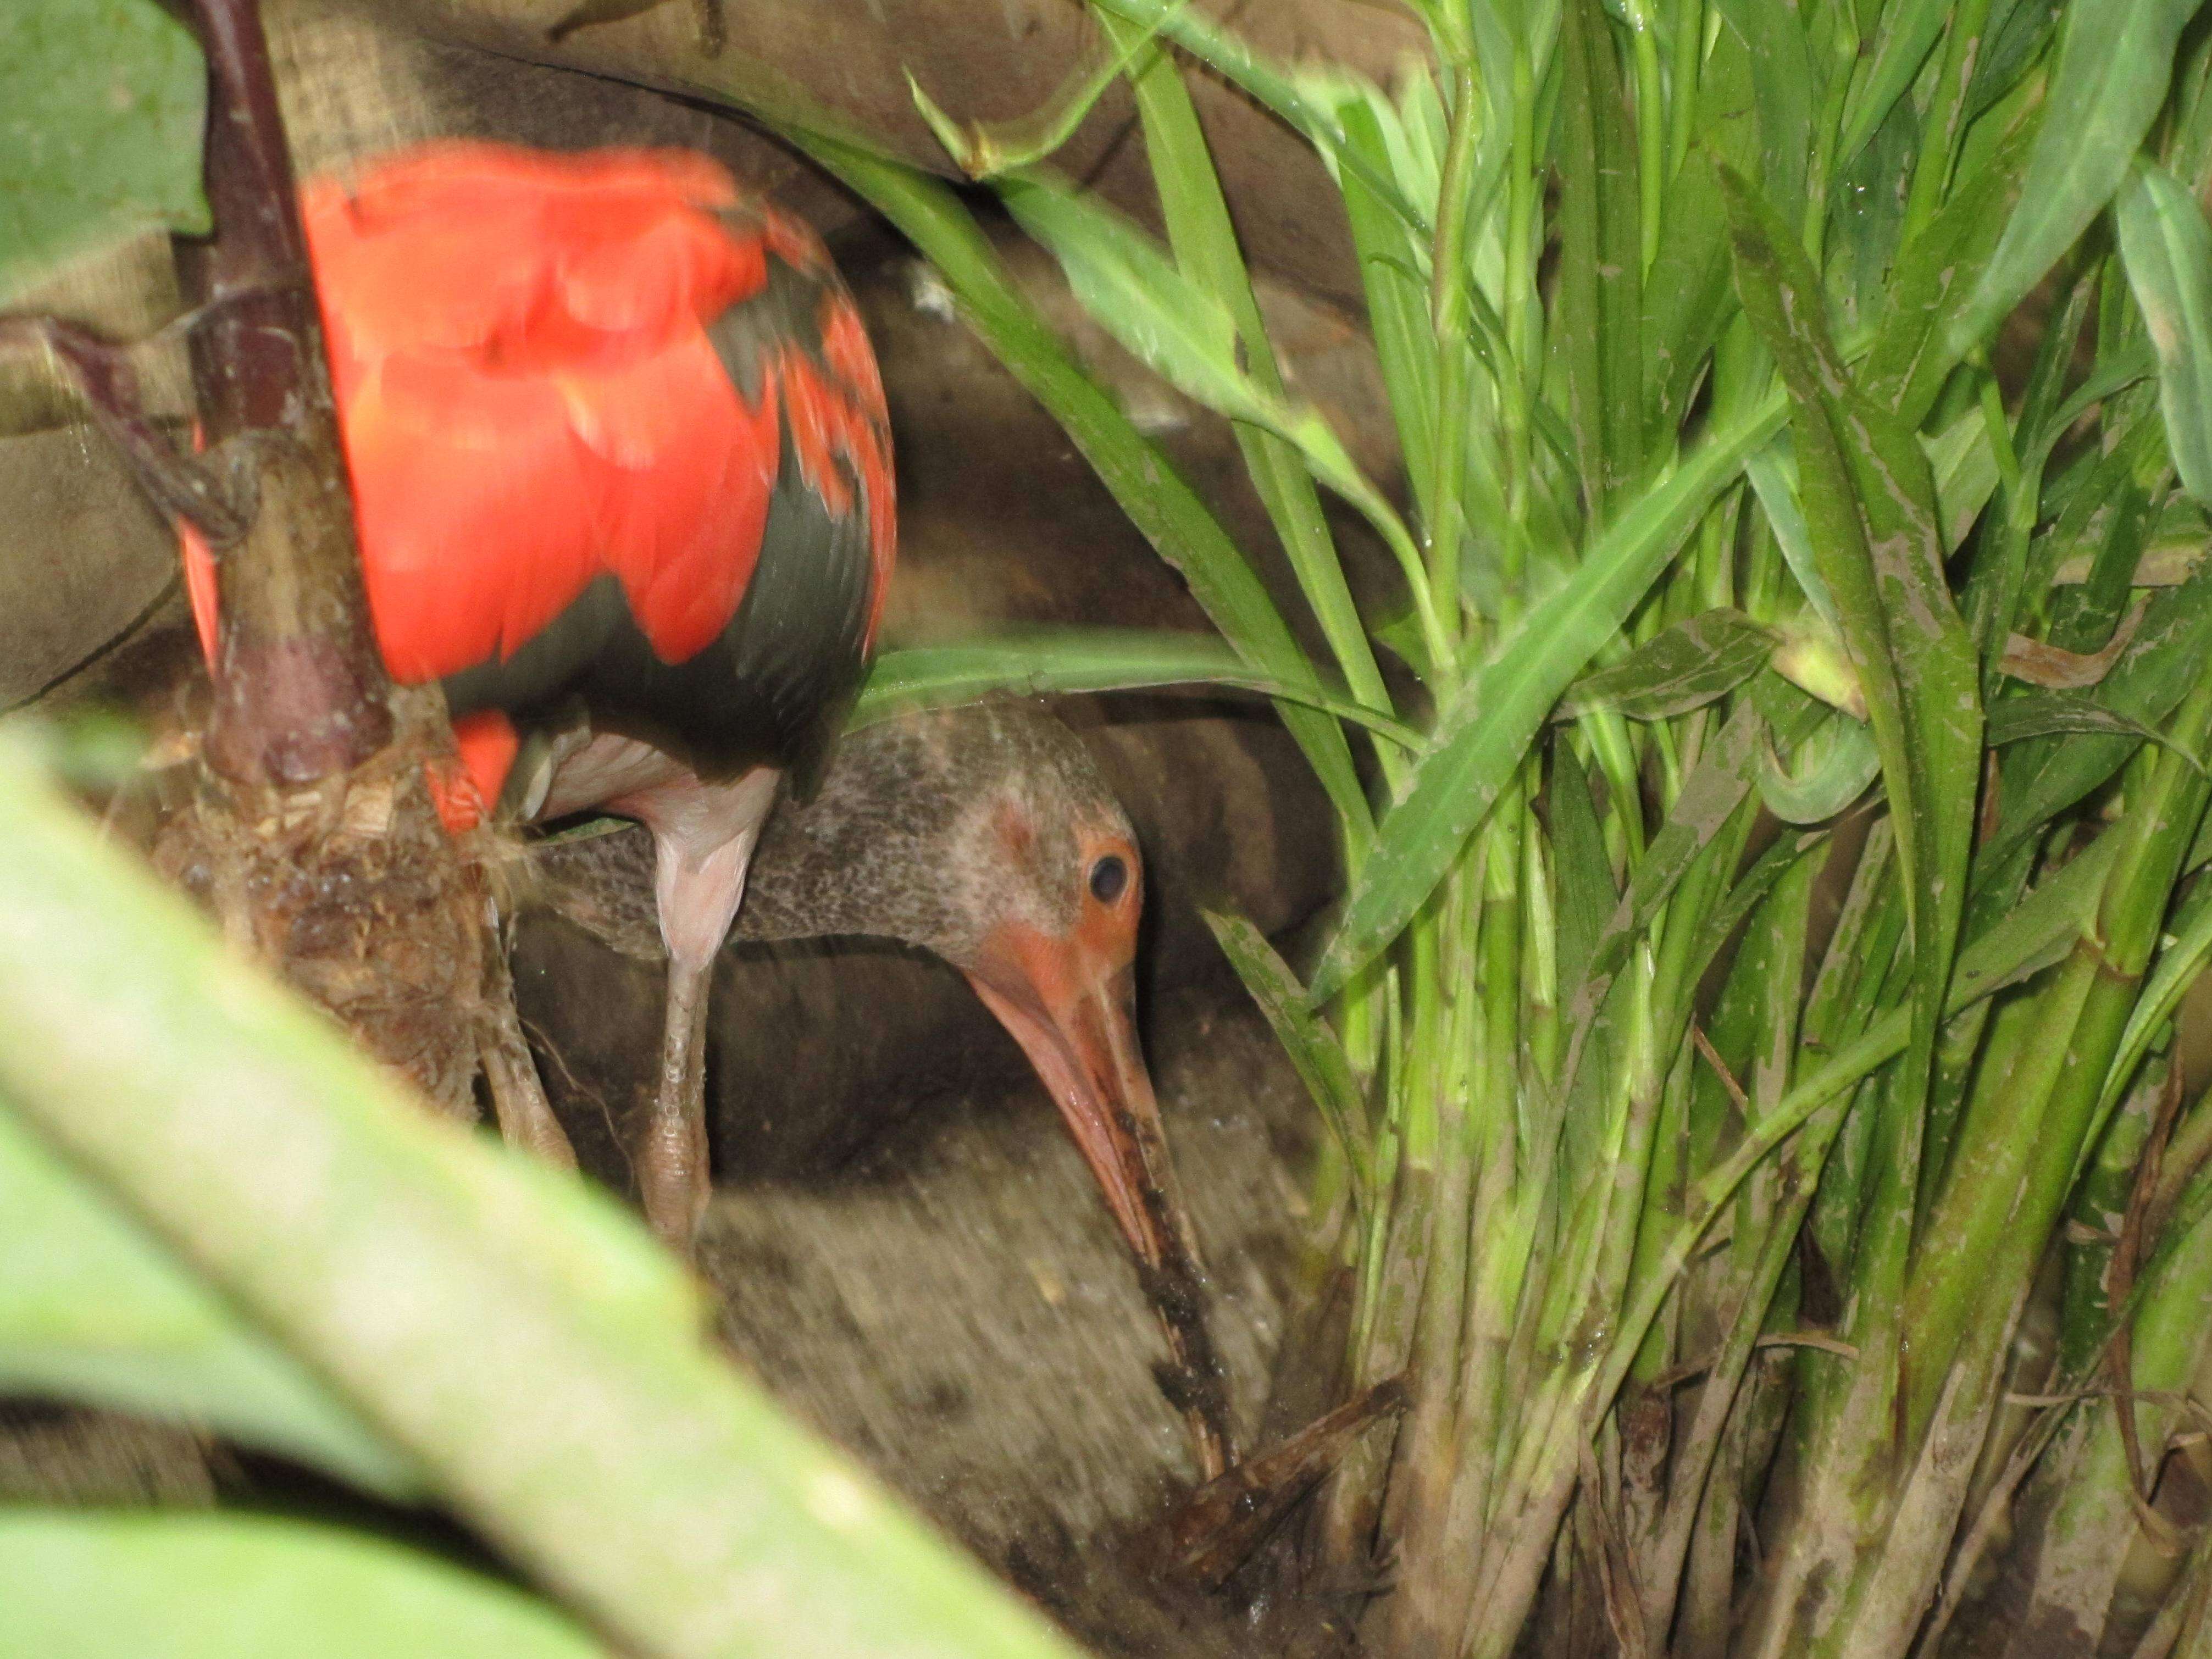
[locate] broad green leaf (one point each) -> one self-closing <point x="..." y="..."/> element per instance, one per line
<point x="2052" y="713"/>
<point x="1484" y="730"/>
<point x="1044" y="662"/>
<point x="1162" y="506"/>
<point x="1963" y="465"/>
<point x="1871" y="505"/>
<point x="2167" y="248"/>
<point x="1913" y="353"/>
<point x="1910" y="30"/>
<point x="101" y="106"/>
<point x="1684" y="667"/>
<point x="1586" y="894"/>
<point x="1772" y="472"/>
<point x="82" y="1585"/>
<point x="1206" y="251"/>
<point x="1786" y="91"/>
<point x="2113" y="67"/>
<point x="94" y="1308"/>
<point x="1598" y="329"/>
<point x="1831" y="769"/>
<point x="1307" y="1039"/>
<point x="2168" y="656"/>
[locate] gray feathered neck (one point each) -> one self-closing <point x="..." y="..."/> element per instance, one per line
<point x="904" y="839"/>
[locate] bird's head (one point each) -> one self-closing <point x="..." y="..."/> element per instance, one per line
<point x="987" y="836"/>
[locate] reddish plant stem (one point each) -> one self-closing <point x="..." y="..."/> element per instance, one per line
<point x="301" y="692"/>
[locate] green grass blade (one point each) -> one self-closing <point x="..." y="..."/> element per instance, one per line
<point x="1913" y="352"/>
<point x="1159" y="503"/>
<point x="1204" y="245"/>
<point x="1307" y="1039"/>
<point x="1185" y="333"/>
<point x="2167" y="248"/>
<point x="2114" y="64"/>
<point x="1909" y="32"/>
<point x="2055" y="713"/>
<point x="1484" y="730"/>
<point x="1599" y="321"/>
<point x="85" y="1585"/>
<point x="1045" y="662"/>
<point x="1870" y="504"/>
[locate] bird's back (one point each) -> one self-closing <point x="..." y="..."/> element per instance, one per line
<point x="616" y="438"/>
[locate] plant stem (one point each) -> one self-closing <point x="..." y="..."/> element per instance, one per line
<point x="300" y="688"/>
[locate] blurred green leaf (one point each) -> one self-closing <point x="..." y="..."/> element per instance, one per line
<point x="93" y="1586"/>
<point x="1681" y="668"/>
<point x="2167" y="249"/>
<point x="101" y="105"/>
<point x="2114" y="64"/>
<point x="530" y="1347"/>
<point x="94" y="1308"/>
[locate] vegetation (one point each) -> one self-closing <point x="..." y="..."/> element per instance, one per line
<point x="1731" y="570"/>
<point x="1692" y="1215"/>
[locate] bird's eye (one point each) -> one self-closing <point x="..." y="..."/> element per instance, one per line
<point x="1109" y="876"/>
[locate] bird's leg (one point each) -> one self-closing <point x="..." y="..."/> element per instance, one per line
<point x="671" y="1161"/>
<point x="703" y="836"/>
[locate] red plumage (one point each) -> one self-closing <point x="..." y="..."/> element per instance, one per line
<point x="530" y="397"/>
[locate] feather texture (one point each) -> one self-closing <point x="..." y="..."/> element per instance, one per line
<point x="571" y="387"/>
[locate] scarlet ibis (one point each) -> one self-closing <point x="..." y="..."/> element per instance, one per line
<point x="987" y="837"/>
<point x="623" y="479"/>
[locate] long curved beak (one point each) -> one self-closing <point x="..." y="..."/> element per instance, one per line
<point x="1076" y="1020"/>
